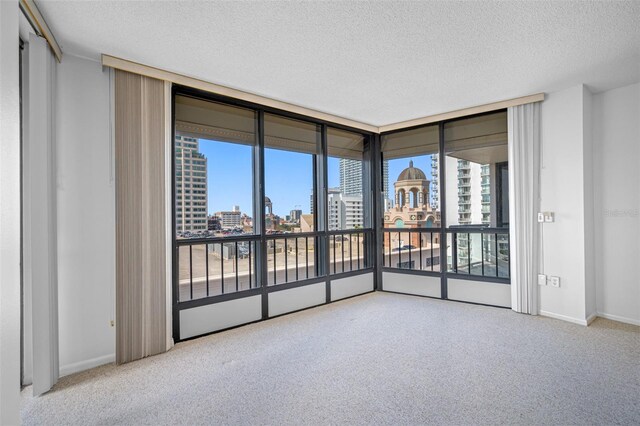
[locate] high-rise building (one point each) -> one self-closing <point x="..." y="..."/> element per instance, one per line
<point x="385" y="181"/>
<point x="345" y="211"/>
<point x="335" y="207"/>
<point x="469" y="188"/>
<point x="351" y="214"/>
<point x="351" y="177"/>
<point x="468" y="194"/>
<point x="485" y="193"/>
<point x="435" y="182"/>
<point x="191" y="186"/>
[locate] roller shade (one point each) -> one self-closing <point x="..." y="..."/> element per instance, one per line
<point x="291" y="135"/>
<point x="476" y="132"/>
<point x="212" y="120"/>
<point x="420" y="141"/>
<point x="344" y="144"/>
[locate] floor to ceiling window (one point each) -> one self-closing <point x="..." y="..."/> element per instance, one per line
<point x="266" y="203"/>
<point x="291" y="148"/>
<point x="348" y="203"/>
<point x="214" y="206"/>
<point x="476" y="157"/>
<point x="273" y="209"/>
<point x="446" y="211"/>
<point x="411" y="200"/>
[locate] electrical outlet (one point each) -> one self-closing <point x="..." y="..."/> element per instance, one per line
<point x="112" y="323"/>
<point x="542" y="279"/>
<point x="548" y="217"/>
<point x="540" y="217"/>
<point x="555" y="281"/>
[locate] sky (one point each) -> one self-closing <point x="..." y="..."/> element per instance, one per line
<point x="288" y="177"/>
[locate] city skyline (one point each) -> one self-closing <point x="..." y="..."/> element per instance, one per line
<point x="230" y="177"/>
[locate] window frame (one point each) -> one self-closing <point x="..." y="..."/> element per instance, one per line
<point x="444" y="230"/>
<point x="320" y="233"/>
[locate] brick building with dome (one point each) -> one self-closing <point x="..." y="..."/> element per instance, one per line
<point x="412" y="210"/>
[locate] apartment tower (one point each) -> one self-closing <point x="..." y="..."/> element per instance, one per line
<point x="191" y="186"/>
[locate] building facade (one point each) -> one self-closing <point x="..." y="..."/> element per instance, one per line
<point x="412" y="209"/>
<point x="191" y="186"/>
<point x="230" y="219"/>
<point x="295" y="215"/>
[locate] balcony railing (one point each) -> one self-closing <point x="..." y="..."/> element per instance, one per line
<point x="479" y="251"/>
<point x="348" y="250"/>
<point x="215" y="266"/>
<point x="291" y="257"/>
<point x="411" y="248"/>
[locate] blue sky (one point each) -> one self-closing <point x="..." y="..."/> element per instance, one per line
<point x="288" y="176"/>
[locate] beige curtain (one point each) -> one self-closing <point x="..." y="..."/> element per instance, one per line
<point x="140" y="216"/>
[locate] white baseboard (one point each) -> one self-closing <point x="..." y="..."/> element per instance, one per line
<point x="564" y="318"/>
<point x="590" y="319"/>
<point x="77" y="367"/>
<point x="619" y="318"/>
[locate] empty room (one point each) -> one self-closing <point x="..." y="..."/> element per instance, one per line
<point x="319" y="212"/>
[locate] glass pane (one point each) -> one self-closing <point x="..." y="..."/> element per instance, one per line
<point x="290" y="154"/>
<point x="345" y="168"/>
<point x="412" y="202"/>
<point x="214" y="169"/>
<point x="216" y="268"/>
<point x="290" y="259"/>
<point x="474" y="148"/>
<point x="477" y="190"/>
<point x="503" y="256"/>
<point x="290" y="149"/>
<point x="348" y="252"/>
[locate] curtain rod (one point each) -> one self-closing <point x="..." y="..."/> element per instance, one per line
<point x="538" y="97"/>
<point x="160" y="74"/>
<point x="148" y="71"/>
<point x="37" y="21"/>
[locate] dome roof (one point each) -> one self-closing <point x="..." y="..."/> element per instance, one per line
<point x="267" y="200"/>
<point x="412" y="173"/>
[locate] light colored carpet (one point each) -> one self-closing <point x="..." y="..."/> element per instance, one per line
<point x="377" y="359"/>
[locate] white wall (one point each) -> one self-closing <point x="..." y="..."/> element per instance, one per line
<point x="590" y="180"/>
<point x="562" y="192"/>
<point x="86" y="215"/>
<point x="616" y="150"/>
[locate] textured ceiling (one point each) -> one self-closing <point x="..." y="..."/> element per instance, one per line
<point x="376" y="62"/>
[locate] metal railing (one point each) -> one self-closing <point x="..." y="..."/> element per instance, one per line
<point x="478" y="251"/>
<point x="209" y="267"/>
<point x="291" y="257"/>
<point x="214" y="266"/>
<point x="411" y="248"/>
<point x="348" y="250"/>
